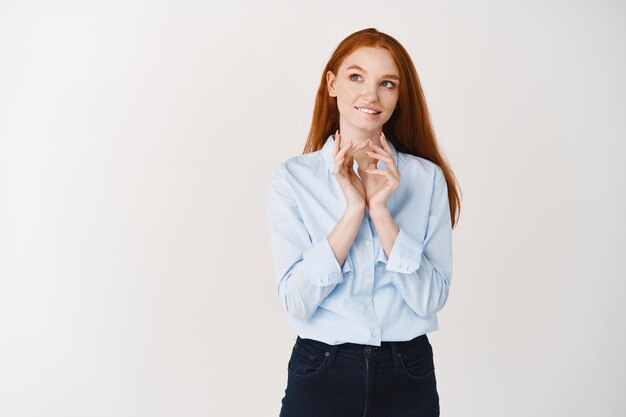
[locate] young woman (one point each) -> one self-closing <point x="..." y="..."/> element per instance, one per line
<point x="360" y="226"/>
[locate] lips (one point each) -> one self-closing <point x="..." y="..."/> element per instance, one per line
<point x="367" y="110"/>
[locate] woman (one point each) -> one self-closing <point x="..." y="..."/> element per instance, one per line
<point x="360" y="226"/>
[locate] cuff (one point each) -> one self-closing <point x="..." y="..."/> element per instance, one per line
<point x="322" y="259"/>
<point x="405" y="256"/>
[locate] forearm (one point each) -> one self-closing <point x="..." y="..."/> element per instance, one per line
<point x="313" y="278"/>
<point x="421" y="284"/>
<point x="342" y="236"/>
<point x="386" y="227"/>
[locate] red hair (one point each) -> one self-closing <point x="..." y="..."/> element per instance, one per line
<point x="409" y="128"/>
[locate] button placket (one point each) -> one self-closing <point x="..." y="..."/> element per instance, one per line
<point x="369" y="282"/>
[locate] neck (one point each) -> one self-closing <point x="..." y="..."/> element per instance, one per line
<point x="357" y="136"/>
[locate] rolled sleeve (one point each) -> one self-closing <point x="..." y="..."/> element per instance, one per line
<point x="405" y="255"/>
<point x="422" y="271"/>
<point x="306" y="269"/>
<point x="329" y="271"/>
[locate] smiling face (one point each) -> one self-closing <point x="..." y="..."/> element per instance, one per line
<point x="366" y="87"/>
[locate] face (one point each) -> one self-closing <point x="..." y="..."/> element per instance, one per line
<point x="366" y="80"/>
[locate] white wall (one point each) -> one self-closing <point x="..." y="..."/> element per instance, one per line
<point x="136" y="142"/>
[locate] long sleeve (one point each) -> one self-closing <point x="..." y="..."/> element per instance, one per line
<point x="424" y="269"/>
<point x="305" y="271"/>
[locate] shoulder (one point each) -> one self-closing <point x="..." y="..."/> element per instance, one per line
<point x="419" y="167"/>
<point x="298" y="166"/>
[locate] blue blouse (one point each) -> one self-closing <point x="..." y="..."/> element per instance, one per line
<point x="373" y="296"/>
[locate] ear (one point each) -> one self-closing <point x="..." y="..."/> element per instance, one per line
<point x="330" y="83"/>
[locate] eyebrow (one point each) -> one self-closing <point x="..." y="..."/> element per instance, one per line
<point x="392" y="76"/>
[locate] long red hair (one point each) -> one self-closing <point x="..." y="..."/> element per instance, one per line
<point x="409" y="128"/>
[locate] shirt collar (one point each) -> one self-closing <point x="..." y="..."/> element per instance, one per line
<point x="327" y="153"/>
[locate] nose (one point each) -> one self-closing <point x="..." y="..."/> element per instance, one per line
<point x="370" y="92"/>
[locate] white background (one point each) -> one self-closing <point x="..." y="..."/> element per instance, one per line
<point x="136" y="143"/>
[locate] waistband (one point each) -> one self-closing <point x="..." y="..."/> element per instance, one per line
<point x="357" y="349"/>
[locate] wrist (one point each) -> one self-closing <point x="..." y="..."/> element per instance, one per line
<point x="355" y="209"/>
<point x="378" y="211"/>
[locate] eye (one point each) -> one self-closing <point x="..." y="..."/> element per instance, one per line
<point x="392" y="84"/>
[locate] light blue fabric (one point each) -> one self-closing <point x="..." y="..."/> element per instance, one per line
<point x="372" y="297"/>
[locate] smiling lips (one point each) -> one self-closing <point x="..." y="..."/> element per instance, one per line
<point x="368" y="110"/>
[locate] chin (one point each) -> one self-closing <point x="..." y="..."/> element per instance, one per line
<point x="371" y="125"/>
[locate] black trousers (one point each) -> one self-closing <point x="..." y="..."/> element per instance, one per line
<point x="395" y="379"/>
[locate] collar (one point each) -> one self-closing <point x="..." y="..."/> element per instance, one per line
<point x="327" y="153"/>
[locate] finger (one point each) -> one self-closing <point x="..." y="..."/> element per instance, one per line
<point x="342" y="144"/>
<point x="383" y="157"/>
<point x="392" y="181"/>
<point x="391" y="164"/>
<point x="384" y="142"/>
<point x="358" y="148"/>
<point x="375" y="146"/>
<point x="339" y="155"/>
<point x="385" y="172"/>
<point x="337" y="166"/>
<point x="348" y="163"/>
<point x="343" y="160"/>
<point x="377" y="150"/>
<point x="344" y="150"/>
<point x="388" y="160"/>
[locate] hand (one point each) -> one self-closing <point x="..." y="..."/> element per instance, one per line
<point x="351" y="186"/>
<point x="380" y="183"/>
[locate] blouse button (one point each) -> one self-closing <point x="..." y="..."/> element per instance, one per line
<point x="367" y="242"/>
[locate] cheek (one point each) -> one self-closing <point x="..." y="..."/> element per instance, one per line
<point x="346" y="91"/>
<point x="392" y="99"/>
<point x="344" y="98"/>
<point x="391" y="104"/>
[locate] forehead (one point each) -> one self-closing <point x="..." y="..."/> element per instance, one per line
<point x="371" y="59"/>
